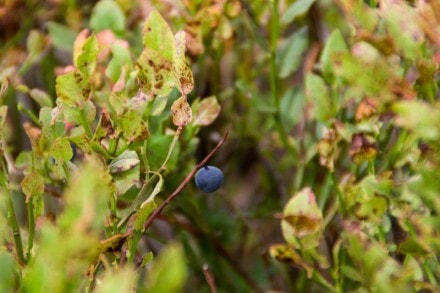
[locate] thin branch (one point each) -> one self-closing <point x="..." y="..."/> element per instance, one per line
<point x="209" y="279"/>
<point x="182" y="185"/>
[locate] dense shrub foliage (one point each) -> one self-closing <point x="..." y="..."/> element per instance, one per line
<point x="331" y="162"/>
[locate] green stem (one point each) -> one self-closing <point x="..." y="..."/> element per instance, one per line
<point x="31" y="221"/>
<point x="338" y="193"/>
<point x="170" y="150"/>
<point x="429" y="273"/>
<point x="134" y="242"/>
<point x="321" y="280"/>
<point x="10" y="206"/>
<point x="14" y="225"/>
<point x="142" y="195"/>
<point x="29" y="113"/>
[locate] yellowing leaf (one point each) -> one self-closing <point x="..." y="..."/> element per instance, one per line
<point x="206" y="112"/>
<point x="73" y="88"/>
<point x="32" y="185"/>
<point x="302" y="221"/>
<point x="61" y="150"/>
<point x="184" y="76"/>
<point x="86" y="61"/>
<point x="133" y="126"/>
<point x="3" y="113"/>
<point x="156" y="73"/>
<point x="182" y="113"/>
<point x="143" y="213"/>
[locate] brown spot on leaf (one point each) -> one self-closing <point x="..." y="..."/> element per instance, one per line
<point x="362" y="148"/>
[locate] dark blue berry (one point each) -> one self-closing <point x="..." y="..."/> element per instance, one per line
<point x="209" y="179"/>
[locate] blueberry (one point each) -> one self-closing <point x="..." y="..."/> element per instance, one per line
<point x="209" y="179"/>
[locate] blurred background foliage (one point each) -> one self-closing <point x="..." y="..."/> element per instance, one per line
<point x="331" y="165"/>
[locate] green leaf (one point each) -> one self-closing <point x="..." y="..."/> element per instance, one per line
<point x="32" y="185"/>
<point x="86" y="61"/>
<point x="157" y="59"/>
<point x="168" y="272"/>
<point x="291" y="108"/>
<point x="158" y="146"/>
<point x="143" y="213"/>
<point x="125" y="161"/>
<point x="159" y="105"/>
<point x="41" y="97"/>
<point x="372" y="76"/>
<point x="298" y="8"/>
<point x="409" y="37"/>
<point x="108" y="15"/>
<point x="125" y="171"/>
<point x="419" y="117"/>
<point x="351" y="273"/>
<point x="73" y="88"/>
<point x="35" y="44"/>
<point x="372" y="209"/>
<point x="62" y="37"/>
<point x="86" y="197"/>
<point x="61" y="149"/>
<point x="334" y="44"/>
<point x="120" y="57"/>
<point x="184" y="76"/>
<point x="133" y="126"/>
<point x="9" y="273"/>
<point x="207" y="111"/>
<point x="73" y="114"/>
<point x="146" y="260"/>
<point x="318" y="94"/>
<point x="121" y="280"/>
<point x="293" y="51"/>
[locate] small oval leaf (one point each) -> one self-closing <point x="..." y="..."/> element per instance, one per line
<point x="182" y="113"/>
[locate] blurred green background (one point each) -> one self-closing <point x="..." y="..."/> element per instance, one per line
<point x="339" y="96"/>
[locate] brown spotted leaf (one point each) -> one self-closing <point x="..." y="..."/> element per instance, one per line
<point x="182" y="113"/>
<point x="32" y="185"/>
<point x="288" y="255"/>
<point x="126" y="161"/>
<point x="156" y="73"/>
<point x="302" y="221"/>
<point x="3" y="113"/>
<point x="73" y="88"/>
<point x="184" y="76"/>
